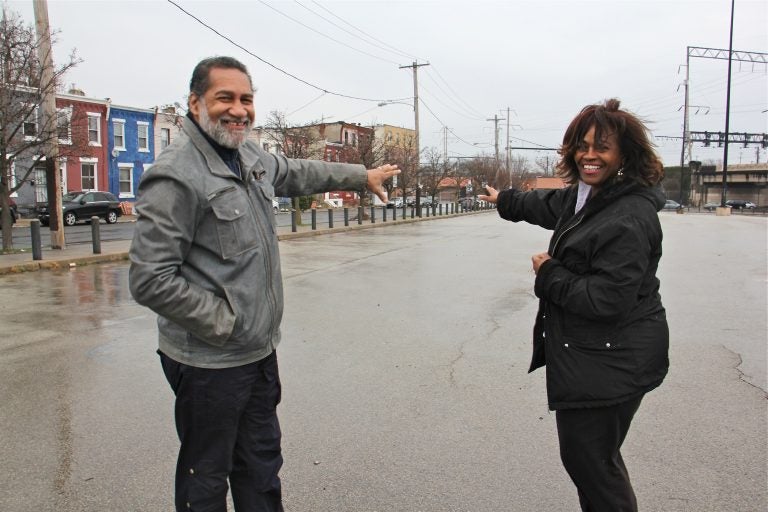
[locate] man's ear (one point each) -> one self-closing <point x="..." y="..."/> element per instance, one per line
<point x="194" y="105"/>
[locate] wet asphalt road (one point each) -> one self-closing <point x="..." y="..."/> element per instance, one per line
<point x="403" y="363"/>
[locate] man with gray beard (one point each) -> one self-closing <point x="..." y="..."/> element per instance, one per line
<point x="205" y="258"/>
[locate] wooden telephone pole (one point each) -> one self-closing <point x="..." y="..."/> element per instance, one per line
<point x="416" y="106"/>
<point x="496" y="120"/>
<point x="48" y="116"/>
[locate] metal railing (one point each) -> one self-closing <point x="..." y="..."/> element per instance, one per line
<point x="434" y="210"/>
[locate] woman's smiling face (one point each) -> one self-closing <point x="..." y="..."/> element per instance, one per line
<point x="597" y="160"/>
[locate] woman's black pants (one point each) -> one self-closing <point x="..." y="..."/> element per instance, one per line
<point x="590" y="443"/>
<point x="227" y="423"/>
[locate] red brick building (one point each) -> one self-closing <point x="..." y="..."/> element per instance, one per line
<point x="84" y="163"/>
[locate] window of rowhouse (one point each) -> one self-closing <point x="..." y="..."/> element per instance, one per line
<point x="64" y="125"/>
<point x="30" y="123"/>
<point x="88" y="175"/>
<point x="94" y="129"/>
<point x="165" y="137"/>
<point x="126" y="180"/>
<point x="143" y="131"/>
<point x="118" y="128"/>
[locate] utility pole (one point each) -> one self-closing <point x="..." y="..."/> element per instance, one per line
<point x="686" y="135"/>
<point x="496" y="120"/>
<point x="727" y="113"/>
<point x="445" y="144"/>
<point x="415" y="68"/>
<point x="506" y="146"/>
<point x="48" y="115"/>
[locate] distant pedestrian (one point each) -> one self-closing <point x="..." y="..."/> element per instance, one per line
<point x="601" y="329"/>
<point x="205" y="258"/>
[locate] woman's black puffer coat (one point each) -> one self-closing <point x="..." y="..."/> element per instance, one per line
<point x="601" y="329"/>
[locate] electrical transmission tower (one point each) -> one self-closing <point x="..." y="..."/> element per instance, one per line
<point x="708" y="53"/>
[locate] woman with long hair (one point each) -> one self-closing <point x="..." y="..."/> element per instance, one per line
<point x="601" y="329"/>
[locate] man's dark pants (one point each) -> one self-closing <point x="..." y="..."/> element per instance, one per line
<point x="227" y="423"/>
<point x="590" y="443"/>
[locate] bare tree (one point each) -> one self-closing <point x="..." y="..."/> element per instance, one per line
<point x="368" y="152"/>
<point x="547" y="164"/>
<point x="503" y="178"/>
<point x="520" y="170"/>
<point x="403" y="153"/>
<point x="24" y="132"/>
<point x="435" y="170"/>
<point x="295" y="141"/>
<point x="483" y="170"/>
<point x="462" y="173"/>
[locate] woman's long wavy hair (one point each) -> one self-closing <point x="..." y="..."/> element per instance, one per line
<point x="639" y="160"/>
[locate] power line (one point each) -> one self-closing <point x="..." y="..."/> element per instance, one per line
<point x="325" y="35"/>
<point x="448" y="106"/>
<point x="467" y="105"/>
<point x="201" y="22"/>
<point x="466" y="113"/>
<point x="461" y="103"/>
<point x="394" y="50"/>
<point x="357" y="36"/>
<point x="530" y="142"/>
<point x="361" y="113"/>
<point x="306" y="104"/>
<point x="443" y="124"/>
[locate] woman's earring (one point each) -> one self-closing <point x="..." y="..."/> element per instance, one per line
<point x="620" y="171"/>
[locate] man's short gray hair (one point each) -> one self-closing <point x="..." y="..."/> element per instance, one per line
<point x="201" y="75"/>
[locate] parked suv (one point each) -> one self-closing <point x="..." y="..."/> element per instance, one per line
<point x="740" y="203"/>
<point x="82" y="205"/>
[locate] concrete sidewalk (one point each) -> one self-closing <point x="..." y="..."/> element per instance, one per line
<point x="82" y="254"/>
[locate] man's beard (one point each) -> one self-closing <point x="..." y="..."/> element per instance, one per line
<point x="218" y="132"/>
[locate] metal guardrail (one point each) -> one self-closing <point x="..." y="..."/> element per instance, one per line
<point x="435" y="210"/>
<point x="438" y="210"/>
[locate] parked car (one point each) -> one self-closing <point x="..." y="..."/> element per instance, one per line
<point x="712" y="206"/>
<point x="82" y="205"/>
<point x="671" y="205"/>
<point x="411" y="201"/>
<point x="284" y="204"/>
<point x="740" y="204"/>
<point x="468" y="203"/>
<point x="275" y="206"/>
<point x="14" y="212"/>
<point x="396" y="202"/>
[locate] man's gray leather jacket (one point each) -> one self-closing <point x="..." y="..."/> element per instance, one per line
<point x="205" y="254"/>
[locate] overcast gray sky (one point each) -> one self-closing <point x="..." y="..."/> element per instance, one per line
<point x="542" y="59"/>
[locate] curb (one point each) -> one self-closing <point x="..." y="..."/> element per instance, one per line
<point x="33" y="266"/>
